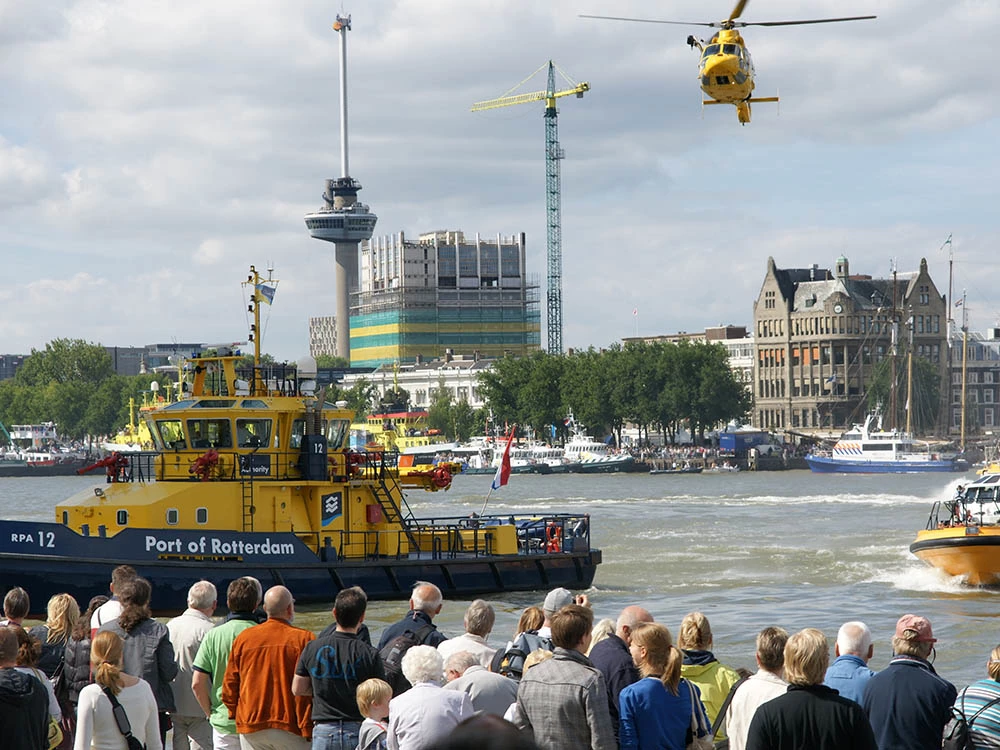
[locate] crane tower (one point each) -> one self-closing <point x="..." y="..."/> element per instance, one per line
<point x="553" y="188"/>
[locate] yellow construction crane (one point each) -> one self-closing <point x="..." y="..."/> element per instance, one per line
<point x="553" y="187"/>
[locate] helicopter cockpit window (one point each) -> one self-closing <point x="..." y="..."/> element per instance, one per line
<point x="730" y="49"/>
<point x="712" y="49"/>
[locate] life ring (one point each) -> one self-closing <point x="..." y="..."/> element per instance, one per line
<point x="553" y="537"/>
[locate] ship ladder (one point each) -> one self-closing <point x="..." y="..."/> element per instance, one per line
<point x="248" y="506"/>
<point x="384" y="494"/>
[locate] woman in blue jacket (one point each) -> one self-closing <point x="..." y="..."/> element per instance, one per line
<point x="657" y="711"/>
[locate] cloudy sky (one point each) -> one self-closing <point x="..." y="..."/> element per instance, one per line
<point x="151" y="151"/>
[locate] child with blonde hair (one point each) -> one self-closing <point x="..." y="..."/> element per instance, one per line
<point x="373" y="702"/>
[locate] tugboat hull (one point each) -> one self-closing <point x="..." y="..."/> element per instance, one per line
<point x="969" y="551"/>
<point x="48" y="558"/>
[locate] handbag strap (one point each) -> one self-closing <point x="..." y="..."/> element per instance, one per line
<point x="696" y="724"/>
<point x="983" y="708"/>
<point x="721" y="716"/>
<point x="121" y="717"/>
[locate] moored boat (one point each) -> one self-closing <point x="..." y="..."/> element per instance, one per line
<point x="868" y="449"/>
<point x="252" y="474"/>
<point x="962" y="536"/>
<point x="591" y="456"/>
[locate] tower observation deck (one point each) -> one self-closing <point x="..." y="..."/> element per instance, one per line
<point x="342" y="220"/>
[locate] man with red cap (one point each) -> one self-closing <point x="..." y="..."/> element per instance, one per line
<point x="907" y="703"/>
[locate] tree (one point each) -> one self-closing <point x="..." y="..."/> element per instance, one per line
<point x="64" y="361"/>
<point x="360" y="397"/>
<point x="926" y="393"/>
<point x="330" y="362"/>
<point x="439" y="411"/>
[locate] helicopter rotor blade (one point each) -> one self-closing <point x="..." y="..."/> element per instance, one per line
<point x="803" y="23"/>
<point x="738" y="10"/>
<point x="712" y="24"/>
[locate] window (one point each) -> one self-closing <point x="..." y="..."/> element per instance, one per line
<point x="172" y="516"/>
<point x="210" y="433"/>
<point x="170" y="432"/>
<point x="987" y="395"/>
<point x="988" y="417"/>
<point x="730" y="49"/>
<point x="253" y="433"/>
<point x="336" y="432"/>
<point x="121" y="517"/>
<point x="201" y="515"/>
<point x="987" y="377"/>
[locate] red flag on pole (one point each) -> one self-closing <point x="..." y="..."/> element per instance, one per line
<point x="503" y="470"/>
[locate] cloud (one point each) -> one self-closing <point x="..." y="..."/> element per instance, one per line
<point x="161" y="148"/>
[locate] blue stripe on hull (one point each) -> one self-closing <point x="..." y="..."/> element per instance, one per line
<point x="825" y="465"/>
<point x="47" y="559"/>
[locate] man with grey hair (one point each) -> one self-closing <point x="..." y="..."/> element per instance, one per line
<point x="425" y="603"/>
<point x="849" y="673"/>
<point x="613" y="659"/>
<point x="489" y="692"/>
<point x="425" y="713"/>
<point x="187" y="631"/>
<point x="479" y="619"/>
<point x="907" y="703"/>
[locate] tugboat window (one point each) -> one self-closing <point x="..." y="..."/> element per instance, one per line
<point x="122" y="517"/>
<point x="253" y="433"/>
<point x="201" y="515"/>
<point x="172" y="516"/>
<point x="298" y="430"/>
<point x="336" y="430"/>
<point x="171" y="433"/>
<point x="210" y="433"/>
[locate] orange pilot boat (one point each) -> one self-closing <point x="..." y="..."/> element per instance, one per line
<point x="962" y="536"/>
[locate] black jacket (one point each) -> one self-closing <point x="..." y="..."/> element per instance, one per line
<point x="813" y="717"/>
<point x="908" y="705"/>
<point x="413" y="621"/>
<point x="24" y="711"/>
<point x="612" y="657"/>
<point x="76" y="672"/>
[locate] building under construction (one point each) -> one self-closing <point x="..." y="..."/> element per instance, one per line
<point x="442" y="295"/>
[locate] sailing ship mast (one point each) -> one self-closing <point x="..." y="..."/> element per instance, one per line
<point x="965" y="356"/>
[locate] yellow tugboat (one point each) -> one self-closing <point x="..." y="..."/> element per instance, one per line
<point x="962" y="537"/>
<point x="252" y="474"/>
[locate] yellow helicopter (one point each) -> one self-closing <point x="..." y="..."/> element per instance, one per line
<point x="726" y="69"/>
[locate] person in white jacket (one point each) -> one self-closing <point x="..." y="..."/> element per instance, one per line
<point x="768" y="682"/>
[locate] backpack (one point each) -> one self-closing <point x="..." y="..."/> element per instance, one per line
<point x="392" y="656"/>
<point x="510" y="663"/>
<point x="957" y="735"/>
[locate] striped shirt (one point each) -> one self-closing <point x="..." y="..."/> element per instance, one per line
<point x="985" y="730"/>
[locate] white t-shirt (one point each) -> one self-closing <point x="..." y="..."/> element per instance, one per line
<point x="96" y="727"/>
<point x="105" y="613"/>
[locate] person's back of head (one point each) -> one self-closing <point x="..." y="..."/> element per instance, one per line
<point x="134" y="595"/>
<point x="807" y="656"/>
<point x="913" y="637"/>
<point x="120" y="575"/>
<point x="485" y="731"/>
<point x="8" y="647"/>
<point x="456" y="664"/>
<point x="571" y="627"/>
<point x="278" y="602"/>
<point x="601" y="630"/>
<point x="106" y="653"/>
<point x="29" y="648"/>
<point x="479" y="618"/>
<point x="16" y="604"/>
<point x="556" y="600"/>
<point x="659" y="657"/>
<point x="854" y="638"/>
<point x="426" y="598"/>
<point x="372" y="692"/>
<point x="349" y="607"/>
<point x="242" y="595"/>
<point x="81" y="630"/>
<point x="202" y="595"/>
<point x="423" y="664"/>
<point x="771" y="649"/>
<point x="537" y="657"/>
<point x="695" y="633"/>
<point x="532" y="618"/>
<point x="628" y="619"/>
<point x="62" y="614"/>
<point x="993" y="665"/>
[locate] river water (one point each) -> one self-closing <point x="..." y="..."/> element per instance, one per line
<point x="749" y="550"/>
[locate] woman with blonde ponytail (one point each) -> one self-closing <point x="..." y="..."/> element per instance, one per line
<point x="96" y="727"/>
<point x="656" y="711"/>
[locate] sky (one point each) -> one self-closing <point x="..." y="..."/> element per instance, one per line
<point x="150" y="152"/>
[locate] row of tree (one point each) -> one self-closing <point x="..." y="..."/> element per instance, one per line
<point x="659" y="387"/>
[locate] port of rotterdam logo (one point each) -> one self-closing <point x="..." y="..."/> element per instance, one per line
<point x="333" y="507"/>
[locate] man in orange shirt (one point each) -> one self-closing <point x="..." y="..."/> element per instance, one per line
<point x="257" y="687"/>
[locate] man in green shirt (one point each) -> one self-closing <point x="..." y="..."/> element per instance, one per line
<point x="242" y="597"/>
